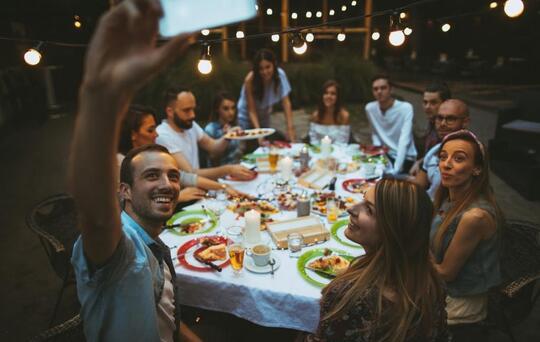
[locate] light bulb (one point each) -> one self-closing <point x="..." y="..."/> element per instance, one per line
<point x="396" y="38"/>
<point x="403" y="15"/>
<point x="204" y="66"/>
<point x="294" y="15"/>
<point x="269" y="11"/>
<point x="310" y="37"/>
<point x="32" y="57"/>
<point x="446" y="27"/>
<point x="275" y="37"/>
<point x="301" y="49"/>
<point x="318" y="14"/>
<point x="77" y="24"/>
<point x="407" y="31"/>
<point x="353" y="3"/>
<point x="513" y="8"/>
<point x="343" y="8"/>
<point x="493" y="5"/>
<point x="205" y="32"/>
<point x="332" y="12"/>
<point x="341" y="36"/>
<point x="308" y="14"/>
<point x="375" y="35"/>
<point x="240" y="34"/>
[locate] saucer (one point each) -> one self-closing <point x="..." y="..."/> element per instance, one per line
<point x="249" y="264"/>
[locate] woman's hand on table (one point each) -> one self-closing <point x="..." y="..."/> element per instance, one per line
<point x="241" y="172"/>
<point x="190" y="194"/>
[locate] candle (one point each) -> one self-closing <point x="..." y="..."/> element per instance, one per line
<point x="326" y="146"/>
<point x="252" y="233"/>
<point x="286" y="165"/>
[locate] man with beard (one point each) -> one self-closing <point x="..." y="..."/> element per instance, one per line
<point x="452" y="116"/>
<point x="125" y="276"/>
<point x="183" y="136"/>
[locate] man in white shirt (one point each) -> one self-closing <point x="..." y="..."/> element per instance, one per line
<point x="392" y="122"/>
<point x="183" y="136"/>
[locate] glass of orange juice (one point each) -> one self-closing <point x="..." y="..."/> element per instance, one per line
<point x="235" y="248"/>
<point x="332" y="211"/>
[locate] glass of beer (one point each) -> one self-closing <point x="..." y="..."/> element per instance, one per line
<point x="235" y="248"/>
<point x="273" y="157"/>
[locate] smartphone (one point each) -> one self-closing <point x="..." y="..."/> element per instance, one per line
<point x="181" y="16"/>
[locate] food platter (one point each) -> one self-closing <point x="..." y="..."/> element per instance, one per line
<point x="189" y="251"/>
<point x="189" y="222"/>
<point x="357" y="185"/>
<point x="249" y="134"/>
<point x="319" y="203"/>
<point x="318" y="278"/>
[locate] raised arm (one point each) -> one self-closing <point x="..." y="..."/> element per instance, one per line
<point x="121" y="57"/>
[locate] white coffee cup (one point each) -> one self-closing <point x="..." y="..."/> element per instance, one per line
<point x="261" y="254"/>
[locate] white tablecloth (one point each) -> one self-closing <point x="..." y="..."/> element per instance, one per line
<point x="283" y="300"/>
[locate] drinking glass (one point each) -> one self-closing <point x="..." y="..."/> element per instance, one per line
<point x="294" y="243"/>
<point x="273" y="157"/>
<point x="235" y="248"/>
<point x="332" y="210"/>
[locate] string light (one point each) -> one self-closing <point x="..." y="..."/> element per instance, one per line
<point x="77" y="23"/>
<point x="275" y="38"/>
<point x="396" y="36"/>
<point x="407" y="31"/>
<point x="403" y="15"/>
<point x="353" y="3"/>
<point x="205" y="32"/>
<point x="308" y="14"/>
<point x="446" y="27"/>
<point x="375" y="35"/>
<point x="341" y="36"/>
<point x="332" y="12"/>
<point x="343" y="8"/>
<point x="310" y="37"/>
<point x="33" y="56"/>
<point x="318" y="14"/>
<point x="493" y="5"/>
<point x="294" y="15"/>
<point x="205" y="63"/>
<point x="269" y="11"/>
<point x="513" y="8"/>
<point x="240" y="34"/>
<point x="298" y="43"/>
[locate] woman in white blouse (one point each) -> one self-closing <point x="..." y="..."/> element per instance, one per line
<point x="330" y="118"/>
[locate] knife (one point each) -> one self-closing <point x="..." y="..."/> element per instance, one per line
<point x="209" y="263"/>
<point x="184" y="225"/>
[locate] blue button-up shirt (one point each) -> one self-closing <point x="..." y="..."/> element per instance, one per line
<point x="118" y="300"/>
<point x="431" y="167"/>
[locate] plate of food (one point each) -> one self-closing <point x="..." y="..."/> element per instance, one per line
<point x="358" y="185"/>
<point x="195" y="254"/>
<point x="252" y="157"/>
<point x="338" y="233"/>
<point x="372" y="150"/>
<point x="319" y="266"/>
<point x="287" y="200"/>
<point x="249" y="134"/>
<point x="189" y="222"/>
<point x="241" y="206"/>
<point x="318" y="205"/>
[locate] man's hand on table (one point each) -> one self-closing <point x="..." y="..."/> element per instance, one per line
<point x="235" y="193"/>
<point x="190" y="194"/>
<point x="240" y="172"/>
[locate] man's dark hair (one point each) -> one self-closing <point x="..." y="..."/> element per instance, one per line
<point x="382" y="77"/>
<point x="441" y="88"/>
<point x="126" y="169"/>
<point x="171" y="94"/>
<point x="132" y="122"/>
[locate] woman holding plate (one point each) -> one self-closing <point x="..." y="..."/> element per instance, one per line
<point x="265" y="85"/>
<point x="393" y="293"/>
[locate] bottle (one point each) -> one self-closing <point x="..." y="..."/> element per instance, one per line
<point x="303" y="205"/>
<point x="304" y="158"/>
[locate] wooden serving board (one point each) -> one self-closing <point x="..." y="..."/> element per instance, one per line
<point x="311" y="228"/>
<point x="315" y="179"/>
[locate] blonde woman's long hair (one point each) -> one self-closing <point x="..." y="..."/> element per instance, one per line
<point x="400" y="263"/>
<point x="480" y="188"/>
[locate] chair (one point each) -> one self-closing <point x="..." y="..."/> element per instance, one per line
<point x="520" y="269"/>
<point x="54" y="220"/>
<point x="68" y="331"/>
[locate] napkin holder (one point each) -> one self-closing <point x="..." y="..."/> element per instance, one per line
<point x="316" y="178"/>
<point x="311" y="228"/>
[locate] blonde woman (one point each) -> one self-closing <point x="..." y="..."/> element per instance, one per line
<point x="466" y="233"/>
<point x="393" y="293"/>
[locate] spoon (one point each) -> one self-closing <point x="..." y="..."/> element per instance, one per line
<point x="271" y="262"/>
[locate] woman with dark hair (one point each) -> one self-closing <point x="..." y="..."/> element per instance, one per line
<point x="265" y="85"/>
<point x="393" y="292"/>
<point x="222" y="119"/>
<point x="330" y="118"/>
<point x="466" y="233"/>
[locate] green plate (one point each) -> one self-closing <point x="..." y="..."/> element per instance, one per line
<point x="252" y="157"/>
<point x="191" y="216"/>
<point x="316" y="148"/>
<point x="319" y="279"/>
<point x="337" y="233"/>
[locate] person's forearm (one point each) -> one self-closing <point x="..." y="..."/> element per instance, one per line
<point x="214" y="172"/>
<point x="209" y="184"/>
<point x="218" y="147"/>
<point x="254" y="119"/>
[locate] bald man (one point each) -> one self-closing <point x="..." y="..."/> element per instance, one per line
<point x="452" y="116"/>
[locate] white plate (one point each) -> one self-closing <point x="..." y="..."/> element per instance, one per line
<point x="250" y="265"/>
<point x="262" y="132"/>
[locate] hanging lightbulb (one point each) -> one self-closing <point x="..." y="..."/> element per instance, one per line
<point x="269" y="11"/>
<point x="407" y="31"/>
<point x="493" y="5"/>
<point x="318" y="14"/>
<point x="341" y="36"/>
<point x="77" y="22"/>
<point x="343" y="8"/>
<point x="205" y="32"/>
<point x="332" y="12"/>
<point x="446" y="27"/>
<point x="294" y="15"/>
<point x="299" y="44"/>
<point x="205" y="63"/>
<point x="513" y="8"/>
<point x="375" y="35"/>
<point x="310" y="37"/>
<point x="353" y="3"/>
<point x="275" y="38"/>
<point x="308" y="14"/>
<point x="396" y="36"/>
<point x="33" y="56"/>
<point x="240" y="34"/>
<point x="403" y="15"/>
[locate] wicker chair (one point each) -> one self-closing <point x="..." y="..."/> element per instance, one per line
<point x="520" y="268"/>
<point x="68" y="331"/>
<point x="54" y="220"/>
